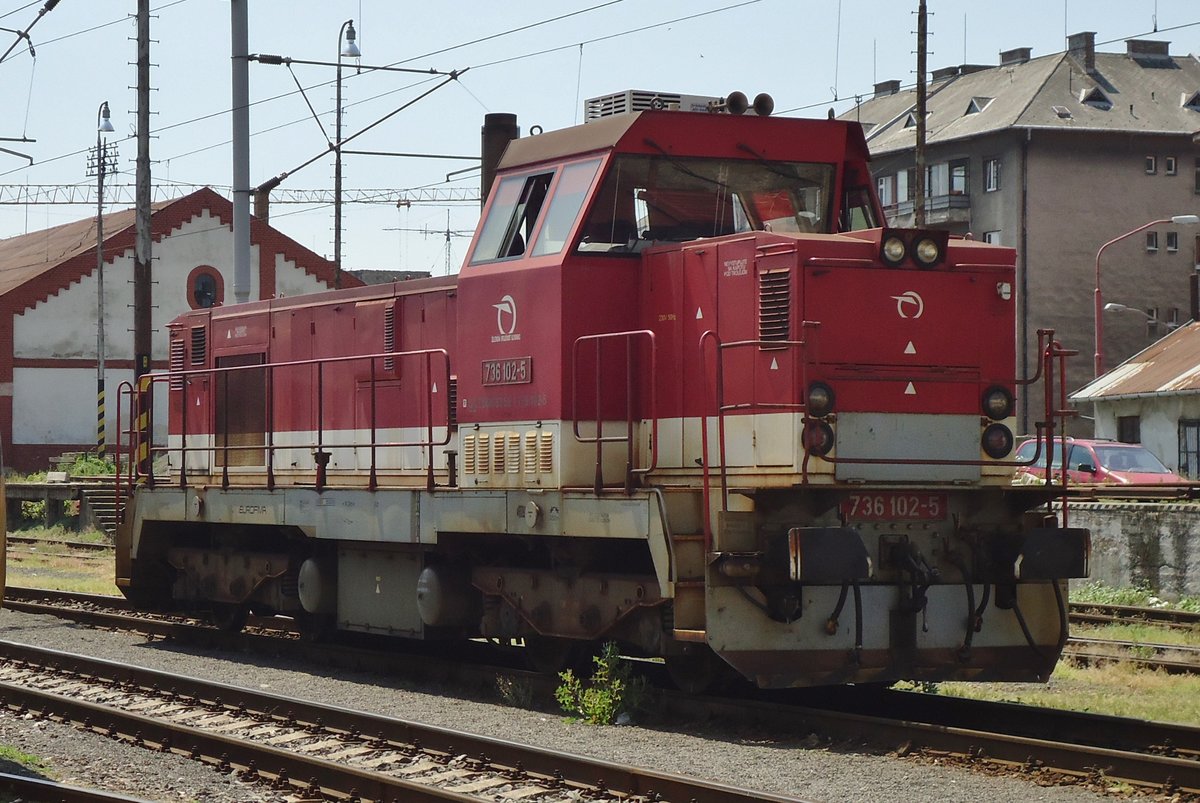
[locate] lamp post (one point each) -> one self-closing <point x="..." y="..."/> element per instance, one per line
<point x="1183" y="220"/>
<point x="100" y="163"/>
<point x="348" y="49"/>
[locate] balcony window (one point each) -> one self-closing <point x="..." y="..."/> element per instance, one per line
<point x="1172" y="242"/>
<point x="1152" y="241"/>
<point x="959" y="177"/>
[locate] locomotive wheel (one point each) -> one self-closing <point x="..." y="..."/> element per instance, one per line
<point x="698" y="669"/>
<point x="228" y="617"/>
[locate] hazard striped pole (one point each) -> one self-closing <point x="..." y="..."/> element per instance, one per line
<point x="100" y="440"/>
<point x="144" y="400"/>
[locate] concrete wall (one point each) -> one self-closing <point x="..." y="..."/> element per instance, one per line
<point x="1159" y="421"/>
<point x="1147" y="543"/>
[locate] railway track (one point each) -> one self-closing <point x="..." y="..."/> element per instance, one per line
<point x="1016" y="738"/>
<point x="317" y="750"/>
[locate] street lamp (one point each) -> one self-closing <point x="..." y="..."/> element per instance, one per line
<point x="349" y="49"/>
<point x="102" y="160"/>
<point x="1182" y="220"/>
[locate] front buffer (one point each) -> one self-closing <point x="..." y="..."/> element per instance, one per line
<point x="944" y="595"/>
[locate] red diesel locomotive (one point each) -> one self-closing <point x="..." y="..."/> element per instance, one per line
<point x="687" y="394"/>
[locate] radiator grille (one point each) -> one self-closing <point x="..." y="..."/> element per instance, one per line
<point x="199" y="345"/>
<point x="175" y="364"/>
<point x="468" y="454"/>
<point x="546" y="452"/>
<point x="389" y="336"/>
<point x="774" y="305"/>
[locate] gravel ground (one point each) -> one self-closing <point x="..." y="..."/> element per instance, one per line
<point x="801" y="767"/>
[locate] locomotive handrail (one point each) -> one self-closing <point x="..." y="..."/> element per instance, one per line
<point x="722" y="408"/>
<point x="652" y="414"/>
<point x="270" y="447"/>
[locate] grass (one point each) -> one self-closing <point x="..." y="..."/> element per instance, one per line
<point x="1117" y="689"/>
<point x="50" y="567"/>
<point x="11" y="755"/>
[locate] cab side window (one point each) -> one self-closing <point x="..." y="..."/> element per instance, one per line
<point x="513" y="217"/>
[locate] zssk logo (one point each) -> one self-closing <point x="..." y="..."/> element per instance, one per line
<point x="506" y="320"/>
<point x="909" y="305"/>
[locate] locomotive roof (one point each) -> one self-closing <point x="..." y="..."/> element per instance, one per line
<point x="694" y="134"/>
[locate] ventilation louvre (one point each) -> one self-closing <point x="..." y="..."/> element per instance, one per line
<point x="199" y="345"/>
<point x="546" y="452"/>
<point x="531" y="452"/>
<point x="468" y="454"/>
<point x="774" y="305"/>
<point x="512" y="450"/>
<point x="175" y="364"/>
<point x="389" y="336"/>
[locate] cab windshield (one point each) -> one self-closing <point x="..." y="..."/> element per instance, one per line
<point x="647" y="199"/>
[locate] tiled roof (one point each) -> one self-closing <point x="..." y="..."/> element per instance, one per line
<point x="1169" y="366"/>
<point x="1055" y="92"/>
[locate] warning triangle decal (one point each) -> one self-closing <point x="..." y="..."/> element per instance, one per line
<point x="910" y="348"/>
<point x="699" y="314"/>
<point x="910" y="390"/>
<point x="434" y="388"/>
<point x="774" y="364"/>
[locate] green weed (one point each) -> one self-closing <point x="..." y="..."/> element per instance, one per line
<point x="611" y="691"/>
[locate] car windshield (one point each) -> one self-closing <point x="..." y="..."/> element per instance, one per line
<point x="1029" y="447"/>
<point x="1130" y="458"/>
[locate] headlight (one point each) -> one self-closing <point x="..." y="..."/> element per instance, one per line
<point x="997" y="403"/>
<point x="820" y="400"/>
<point x="818" y="438"/>
<point x="997" y="441"/>
<point x="892" y="251"/>
<point x="926" y="252"/>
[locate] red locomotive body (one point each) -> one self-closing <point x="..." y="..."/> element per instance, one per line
<point x="686" y="394"/>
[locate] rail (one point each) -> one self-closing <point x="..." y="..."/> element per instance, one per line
<point x="599" y="439"/>
<point x="136" y="434"/>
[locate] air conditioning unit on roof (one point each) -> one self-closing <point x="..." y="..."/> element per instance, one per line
<point x="636" y="100"/>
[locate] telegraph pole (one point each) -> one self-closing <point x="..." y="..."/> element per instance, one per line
<point x="922" y="43"/>
<point x="141" y="263"/>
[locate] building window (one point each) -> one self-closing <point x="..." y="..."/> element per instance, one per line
<point x="1129" y="429"/>
<point x="1170" y="166"/>
<point x="884" y="187"/>
<point x="1197" y="188"/>
<point x="1152" y="241"/>
<point x="1189" y="448"/>
<point x="205" y="288"/>
<point x="991" y="175"/>
<point x="959" y="177"/>
<point x="937" y="182"/>
<point x="906" y="181"/>
<point x="1172" y="241"/>
<point x="1151" y="165"/>
<point x="1172" y="319"/>
<point x="1152" y="322"/>
<point x="992" y="237"/>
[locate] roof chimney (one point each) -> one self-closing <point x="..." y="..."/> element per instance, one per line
<point x="1147" y="47"/>
<point x="943" y="74"/>
<point x="885" y="88"/>
<point x="1018" y="55"/>
<point x="1082" y="48"/>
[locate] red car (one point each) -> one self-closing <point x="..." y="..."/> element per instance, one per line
<point x="1096" y="462"/>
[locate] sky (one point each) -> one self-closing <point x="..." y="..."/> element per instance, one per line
<point x="537" y="59"/>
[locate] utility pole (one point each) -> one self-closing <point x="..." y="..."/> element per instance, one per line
<point x="240" y="46"/>
<point x="141" y="260"/>
<point x="922" y="43"/>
